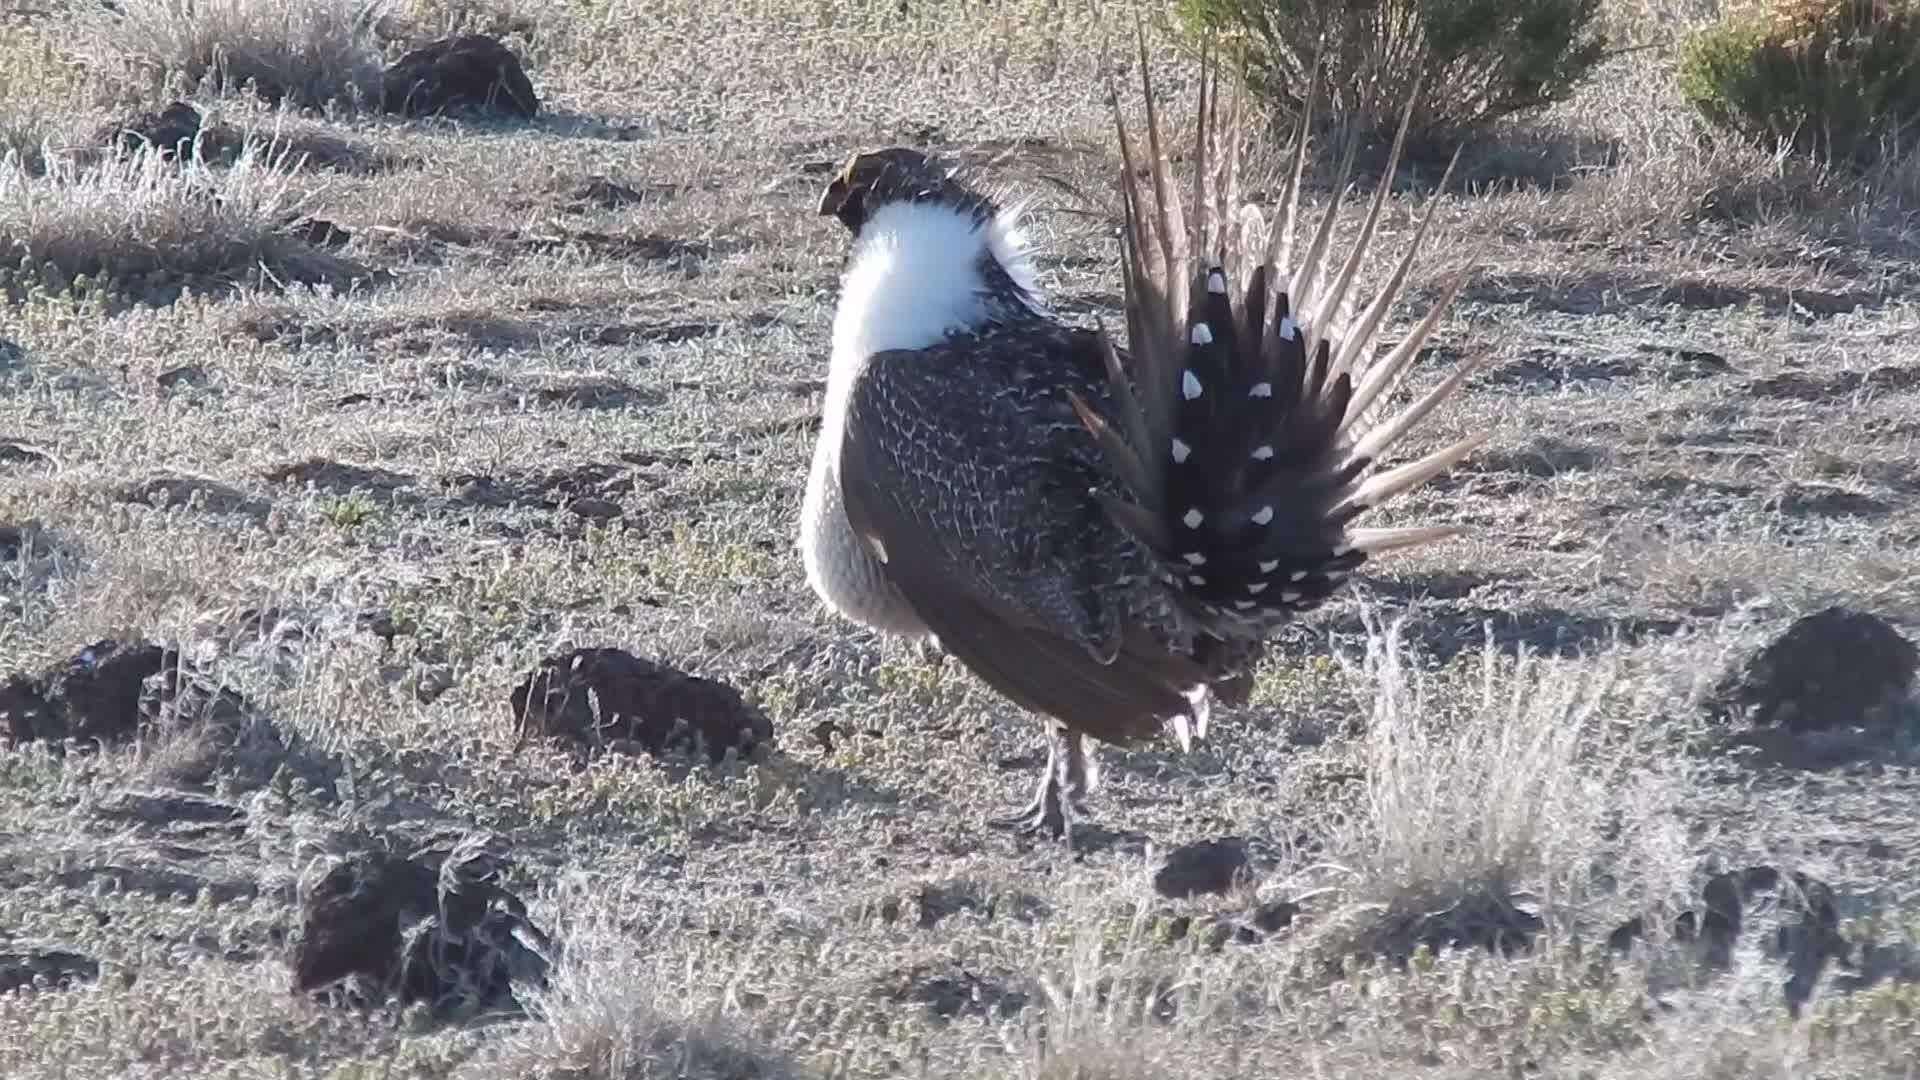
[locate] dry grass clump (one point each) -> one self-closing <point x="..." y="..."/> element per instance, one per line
<point x="1504" y="801"/>
<point x="144" y="228"/>
<point x="309" y="52"/>
<point x="23" y="138"/>
<point x="615" y="1008"/>
<point x="38" y="85"/>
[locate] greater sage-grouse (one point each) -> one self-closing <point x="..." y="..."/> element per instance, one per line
<point x="1108" y="537"/>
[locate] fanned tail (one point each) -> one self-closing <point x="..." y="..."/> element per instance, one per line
<point x="1246" y="427"/>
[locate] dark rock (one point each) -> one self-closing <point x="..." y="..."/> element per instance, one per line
<point x="26" y="540"/>
<point x="14" y="452"/>
<point x="610" y="699"/>
<point x="26" y="714"/>
<point x="52" y="969"/>
<point x="437" y="929"/>
<point x="594" y="509"/>
<point x="1481" y="920"/>
<point x="184" y="375"/>
<point x="472" y="70"/>
<point x="1209" y="866"/>
<point x="1272" y="916"/>
<point x="1834" y="668"/>
<point x="319" y="232"/>
<point x="168" y="808"/>
<point x="948" y="990"/>
<point x="604" y="193"/>
<point x="171" y="131"/>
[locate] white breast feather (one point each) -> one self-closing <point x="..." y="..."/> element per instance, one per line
<point x="913" y="278"/>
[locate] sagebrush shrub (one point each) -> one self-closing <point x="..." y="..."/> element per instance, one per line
<point x="1837" y="79"/>
<point x="1483" y="59"/>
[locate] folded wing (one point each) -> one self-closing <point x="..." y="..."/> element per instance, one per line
<point x="975" y="493"/>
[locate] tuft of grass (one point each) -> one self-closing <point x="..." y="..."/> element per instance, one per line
<point x="308" y="52"/>
<point x="1511" y="781"/>
<point x="144" y="229"/>
<point x="352" y="510"/>
<point x="611" y="1011"/>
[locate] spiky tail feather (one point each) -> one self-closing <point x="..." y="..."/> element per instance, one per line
<point x="1247" y="429"/>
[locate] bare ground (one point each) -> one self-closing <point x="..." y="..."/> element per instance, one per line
<point x="581" y="416"/>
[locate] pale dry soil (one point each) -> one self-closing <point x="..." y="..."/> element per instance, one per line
<point x="1701" y="429"/>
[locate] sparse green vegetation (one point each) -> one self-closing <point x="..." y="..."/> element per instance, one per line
<point x="578" y="410"/>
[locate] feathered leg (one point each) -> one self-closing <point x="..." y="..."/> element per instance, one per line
<point x="1070" y="776"/>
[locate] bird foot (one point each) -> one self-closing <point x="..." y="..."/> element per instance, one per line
<point x="1049" y="813"/>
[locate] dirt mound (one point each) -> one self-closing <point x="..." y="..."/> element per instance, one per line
<point x="96" y="696"/>
<point x="1835" y="668"/>
<point x="111" y="692"/>
<point x="434" y="928"/>
<point x="1207" y="866"/>
<point x="609" y="699"/>
<point x="469" y="71"/>
<point x="171" y="132"/>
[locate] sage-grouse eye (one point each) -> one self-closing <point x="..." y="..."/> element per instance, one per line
<point x="1108" y="537"/>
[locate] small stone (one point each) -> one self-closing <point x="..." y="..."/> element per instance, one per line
<point x="319" y="233"/>
<point x="184" y="375"/>
<point x="594" y="509"/>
